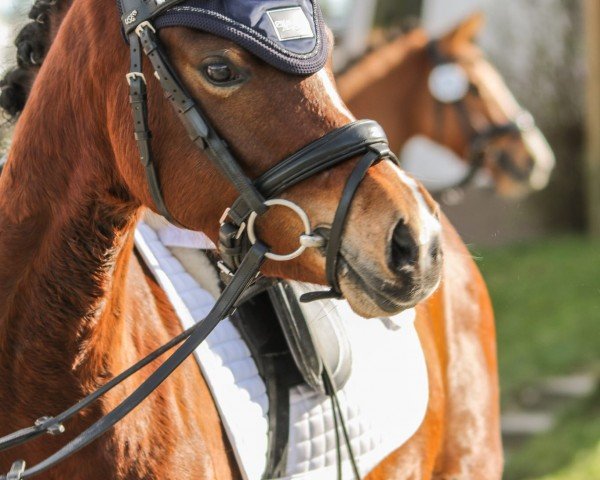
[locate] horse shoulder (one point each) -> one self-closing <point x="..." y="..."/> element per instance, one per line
<point x="190" y="442"/>
<point x="472" y="442"/>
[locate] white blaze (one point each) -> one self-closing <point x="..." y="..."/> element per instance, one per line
<point x="492" y="85"/>
<point x="430" y="226"/>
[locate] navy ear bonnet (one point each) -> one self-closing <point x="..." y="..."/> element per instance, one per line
<point x="288" y="34"/>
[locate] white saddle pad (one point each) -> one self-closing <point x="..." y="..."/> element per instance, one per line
<point x="384" y="401"/>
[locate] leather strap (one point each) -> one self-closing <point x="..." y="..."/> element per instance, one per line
<point x="196" y="124"/>
<point x="356" y="138"/>
<point x="136" y="12"/>
<point x="143" y="136"/>
<point x="323" y="154"/>
<point x="54" y="425"/>
<point x="341" y="216"/>
<point x="340" y="421"/>
<point x="334" y="243"/>
<point x="243" y="277"/>
<point x="476" y="137"/>
<point x="144" y="41"/>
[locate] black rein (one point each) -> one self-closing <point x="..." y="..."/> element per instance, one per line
<point x="240" y="261"/>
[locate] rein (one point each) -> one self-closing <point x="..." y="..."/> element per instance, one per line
<point x="242" y="253"/>
<point x="522" y="123"/>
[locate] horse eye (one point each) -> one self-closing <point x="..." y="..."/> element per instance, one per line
<point x="220" y="73"/>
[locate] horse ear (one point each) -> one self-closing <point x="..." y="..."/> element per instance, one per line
<point x="467" y="30"/>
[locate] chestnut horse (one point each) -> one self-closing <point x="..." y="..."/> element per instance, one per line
<point x="484" y="125"/>
<point x="76" y="307"/>
<point x="392" y="85"/>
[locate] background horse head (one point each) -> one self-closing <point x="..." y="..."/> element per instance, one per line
<point x="447" y="91"/>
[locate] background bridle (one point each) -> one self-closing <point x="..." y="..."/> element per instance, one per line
<point x="241" y="258"/>
<point x="477" y="138"/>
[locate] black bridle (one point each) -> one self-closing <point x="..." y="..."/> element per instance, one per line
<point x="242" y="255"/>
<point x="477" y="138"/>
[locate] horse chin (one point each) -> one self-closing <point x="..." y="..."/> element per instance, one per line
<point x="369" y="301"/>
<point x="368" y="307"/>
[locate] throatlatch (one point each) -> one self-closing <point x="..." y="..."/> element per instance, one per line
<point x="242" y="254"/>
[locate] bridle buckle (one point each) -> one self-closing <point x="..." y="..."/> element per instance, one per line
<point x="131" y="76"/>
<point x="224" y="216"/>
<point x="141" y="26"/>
<point x="53" y="430"/>
<point x="224" y="269"/>
<point x="16" y="470"/>
<point x="223" y="220"/>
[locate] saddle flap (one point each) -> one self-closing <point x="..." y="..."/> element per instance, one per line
<point x="315" y="334"/>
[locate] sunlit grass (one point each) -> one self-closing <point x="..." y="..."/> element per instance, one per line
<point x="547" y="301"/>
<point x="586" y="466"/>
<point x="571" y="450"/>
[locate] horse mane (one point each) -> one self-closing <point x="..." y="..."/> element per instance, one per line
<point x="32" y="42"/>
<point x="36" y="37"/>
<point x="379" y="61"/>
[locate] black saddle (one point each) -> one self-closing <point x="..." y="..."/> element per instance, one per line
<point x="292" y="344"/>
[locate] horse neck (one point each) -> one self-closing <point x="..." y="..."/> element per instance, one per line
<point x="387" y="84"/>
<point x="66" y="239"/>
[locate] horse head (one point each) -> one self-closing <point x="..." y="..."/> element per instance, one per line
<point x="475" y="114"/>
<point x="447" y="92"/>
<point x="265" y="110"/>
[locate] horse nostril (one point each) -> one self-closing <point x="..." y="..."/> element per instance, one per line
<point x="404" y="251"/>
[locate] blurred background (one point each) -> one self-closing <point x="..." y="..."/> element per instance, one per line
<point x="540" y="256"/>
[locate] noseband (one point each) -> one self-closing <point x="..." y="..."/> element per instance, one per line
<point x="241" y="251"/>
<point x="477" y="138"/>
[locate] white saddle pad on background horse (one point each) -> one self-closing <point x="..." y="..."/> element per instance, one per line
<point x="384" y="401"/>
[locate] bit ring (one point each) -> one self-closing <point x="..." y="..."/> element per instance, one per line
<point x="298" y="211"/>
